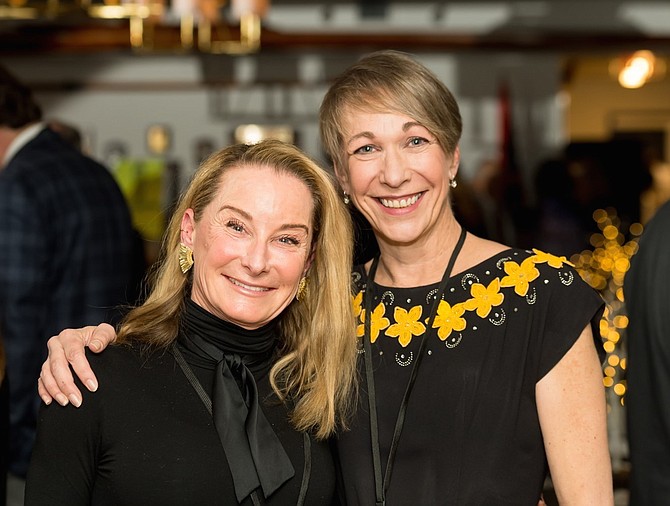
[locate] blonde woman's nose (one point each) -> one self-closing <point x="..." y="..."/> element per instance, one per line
<point x="256" y="257"/>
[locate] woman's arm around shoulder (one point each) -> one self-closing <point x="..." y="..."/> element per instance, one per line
<point x="65" y="349"/>
<point x="573" y="416"/>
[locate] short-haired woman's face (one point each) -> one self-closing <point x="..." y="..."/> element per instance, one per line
<point x="251" y="246"/>
<point x="397" y="175"/>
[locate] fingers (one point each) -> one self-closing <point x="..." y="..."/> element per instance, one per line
<point x="56" y="380"/>
<point x="100" y="337"/>
<point x="44" y="393"/>
<point x="48" y="386"/>
<point x="67" y="349"/>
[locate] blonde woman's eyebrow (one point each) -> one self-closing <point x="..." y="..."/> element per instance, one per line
<point x="247" y="216"/>
<point x="237" y="210"/>
<point x="294" y="226"/>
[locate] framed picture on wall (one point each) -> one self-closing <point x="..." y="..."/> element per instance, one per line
<point x="251" y="133"/>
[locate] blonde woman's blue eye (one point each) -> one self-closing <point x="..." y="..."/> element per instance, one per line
<point x="418" y="141"/>
<point x="236" y="226"/>
<point x="289" y="240"/>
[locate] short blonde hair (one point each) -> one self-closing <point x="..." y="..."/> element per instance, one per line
<point x="389" y="81"/>
<point x="317" y="365"/>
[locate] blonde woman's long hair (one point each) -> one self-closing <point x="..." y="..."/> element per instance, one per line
<point x="388" y="81"/>
<point x="316" y="369"/>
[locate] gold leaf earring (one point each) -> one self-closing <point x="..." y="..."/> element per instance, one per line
<point x="185" y="258"/>
<point x="302" y="289"/>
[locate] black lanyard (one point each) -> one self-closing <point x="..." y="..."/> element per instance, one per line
<point x="382" y="486"/>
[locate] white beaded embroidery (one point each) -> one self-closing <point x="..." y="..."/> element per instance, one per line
<point x="402" y="361"/>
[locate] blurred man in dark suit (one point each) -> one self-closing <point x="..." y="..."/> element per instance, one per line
<point x="647" y="291"/>
<point x="4" y="425"/>
<point x="68" y="254"/>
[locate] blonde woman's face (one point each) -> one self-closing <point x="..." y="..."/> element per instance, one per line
<point x="251" y="246"/>
<point x="397" y="175"/>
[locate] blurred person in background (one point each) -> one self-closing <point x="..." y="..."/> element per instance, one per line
<point x="68" y="251"/>
<point x="647" y="292"/>
<point x="4" y="425"/>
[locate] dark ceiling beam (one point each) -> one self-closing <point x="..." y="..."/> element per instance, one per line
<point x="100" y="36"/>
<point x="507" y="40"/>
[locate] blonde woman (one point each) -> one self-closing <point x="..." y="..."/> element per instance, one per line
<point x="226" y="383"/>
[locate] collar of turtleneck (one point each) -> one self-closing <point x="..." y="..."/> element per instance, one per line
<point x="203" y="334"/>
<point x="255" y="455"/>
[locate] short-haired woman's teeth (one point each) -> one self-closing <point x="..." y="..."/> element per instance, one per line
<point x="400" y="203"/>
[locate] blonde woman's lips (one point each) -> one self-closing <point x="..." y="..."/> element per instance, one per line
<point x="251" y="288"/>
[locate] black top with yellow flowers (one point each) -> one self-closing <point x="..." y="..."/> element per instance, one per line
<point x="471" y="433"/>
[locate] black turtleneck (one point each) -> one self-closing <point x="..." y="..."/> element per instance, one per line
<point x="255" y="347"/>
<point x="146" y="437"/>
<point x="257" y="460"/>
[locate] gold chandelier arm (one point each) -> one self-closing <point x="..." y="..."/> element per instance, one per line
<point x="250" y="38"/>
<point x="10" y="12"/>
<point x="186" y="27"/>
<point x="196" y="18"/>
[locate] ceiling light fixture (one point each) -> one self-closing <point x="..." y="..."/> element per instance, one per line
<point x="635" y="70"/>
<point x="204" y="25"/>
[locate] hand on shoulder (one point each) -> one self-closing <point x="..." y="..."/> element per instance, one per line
<point x="67" y="348"/>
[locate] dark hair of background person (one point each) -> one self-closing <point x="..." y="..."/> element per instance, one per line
<point x="17" y="105"/>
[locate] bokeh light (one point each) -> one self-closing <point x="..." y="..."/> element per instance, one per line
<point x="605" y="268"/>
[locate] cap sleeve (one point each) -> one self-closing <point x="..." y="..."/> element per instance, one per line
<point x="571" y="304"/>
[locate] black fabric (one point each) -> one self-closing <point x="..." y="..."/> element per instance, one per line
<point x="381" y="484"/>
<point x="4" y="439"/>
<point x="255" y="455"/>
<point x="471" y="434"/>
<point x="147" y="438"/>
<point x="647" y="291"/>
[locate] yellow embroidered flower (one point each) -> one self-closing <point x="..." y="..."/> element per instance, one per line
<point x="360" y="328"/>
<point x="407" y="325"/>
<point x="377" y="323"/>
<point x="552" y="260"/>
<point x="484" y="298"/>
<point x="448" y="318"/>
<point x="357" y="303"/>
<point x="359" y="312"/>
<point x="520" y="276"/>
